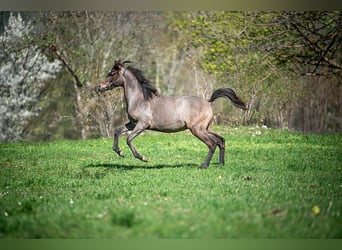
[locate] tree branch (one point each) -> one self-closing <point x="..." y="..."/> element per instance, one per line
<point x="71" y="71"/>
<point x="321" y="54"/>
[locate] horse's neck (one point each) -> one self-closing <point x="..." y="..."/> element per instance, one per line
<point x="133" y="92"/>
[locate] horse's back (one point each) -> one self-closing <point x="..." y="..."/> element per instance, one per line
<point x="171" y="114"/>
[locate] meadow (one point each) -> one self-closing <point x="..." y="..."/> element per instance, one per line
<point x="275" y="184"/>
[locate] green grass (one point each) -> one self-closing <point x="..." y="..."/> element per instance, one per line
<point x="267" y="189"/>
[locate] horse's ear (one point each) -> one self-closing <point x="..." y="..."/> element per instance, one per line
<point x="117" y="64"/>
<point x="126" y="62"/>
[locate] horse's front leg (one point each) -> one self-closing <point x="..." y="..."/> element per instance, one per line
<point x="140" y="127"/>
<point x="120" y="130"/>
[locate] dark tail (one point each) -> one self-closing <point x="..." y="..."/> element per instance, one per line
<point x="230" y="94"/>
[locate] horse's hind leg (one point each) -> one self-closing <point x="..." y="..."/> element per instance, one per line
<point x="207" y="138"/>
<point x="220" y="141"/>
<point x="120" y="130"/>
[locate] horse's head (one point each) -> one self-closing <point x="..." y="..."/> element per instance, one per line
<point x="115" y="77"/>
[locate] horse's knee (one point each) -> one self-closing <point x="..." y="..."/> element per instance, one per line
<point x="117" y="132"/>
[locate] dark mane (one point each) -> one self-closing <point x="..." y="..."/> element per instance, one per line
<point x="148" y="89"/>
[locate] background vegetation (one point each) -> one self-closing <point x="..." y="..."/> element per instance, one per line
<point x="285" y="65"/>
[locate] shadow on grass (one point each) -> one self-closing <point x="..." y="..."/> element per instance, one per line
<point x="132" y="167"/>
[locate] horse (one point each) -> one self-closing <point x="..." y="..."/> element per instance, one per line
<point x="148" y="110"/>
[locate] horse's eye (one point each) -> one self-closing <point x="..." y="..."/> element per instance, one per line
<point x="111" y="73"/>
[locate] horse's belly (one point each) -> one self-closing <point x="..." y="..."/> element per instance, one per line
<point x="168" y="125"/>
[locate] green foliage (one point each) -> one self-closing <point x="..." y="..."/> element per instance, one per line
<point x="268" y="188"/>
<point x="230" y="49"/>
<point x="261" y="54"/>
<point x="225" y="39"/>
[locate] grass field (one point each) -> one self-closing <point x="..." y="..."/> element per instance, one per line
<point x="275" y="184"/>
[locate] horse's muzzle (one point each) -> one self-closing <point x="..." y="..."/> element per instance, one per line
<point x="99" y="89"/>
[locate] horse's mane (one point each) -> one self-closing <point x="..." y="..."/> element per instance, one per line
<point x="148" y="89"/>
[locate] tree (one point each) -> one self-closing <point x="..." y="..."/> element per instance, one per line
<point x="309" y="44"/>
<point x="24" y="70"/>
<point x="87" y="43"/>
<point x="308" y="41"/>
<point x="263" y="56"/>
<point x="226" y="44"/>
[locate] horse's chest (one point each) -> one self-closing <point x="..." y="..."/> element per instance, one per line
<point x="137" y="113"/>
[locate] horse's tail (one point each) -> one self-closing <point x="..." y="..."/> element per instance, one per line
<point x="231" y="95"/>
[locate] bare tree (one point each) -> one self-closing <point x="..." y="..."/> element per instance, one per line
<point x="307" y="38"/>
<point x="87" y="43"/>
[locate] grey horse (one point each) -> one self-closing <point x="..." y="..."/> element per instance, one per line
<point x="147" y="109"/>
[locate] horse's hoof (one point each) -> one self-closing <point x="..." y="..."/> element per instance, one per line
<point x="144" y="159"/>
<point x="119" y="152"/>
<point x="203" y="167"/>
